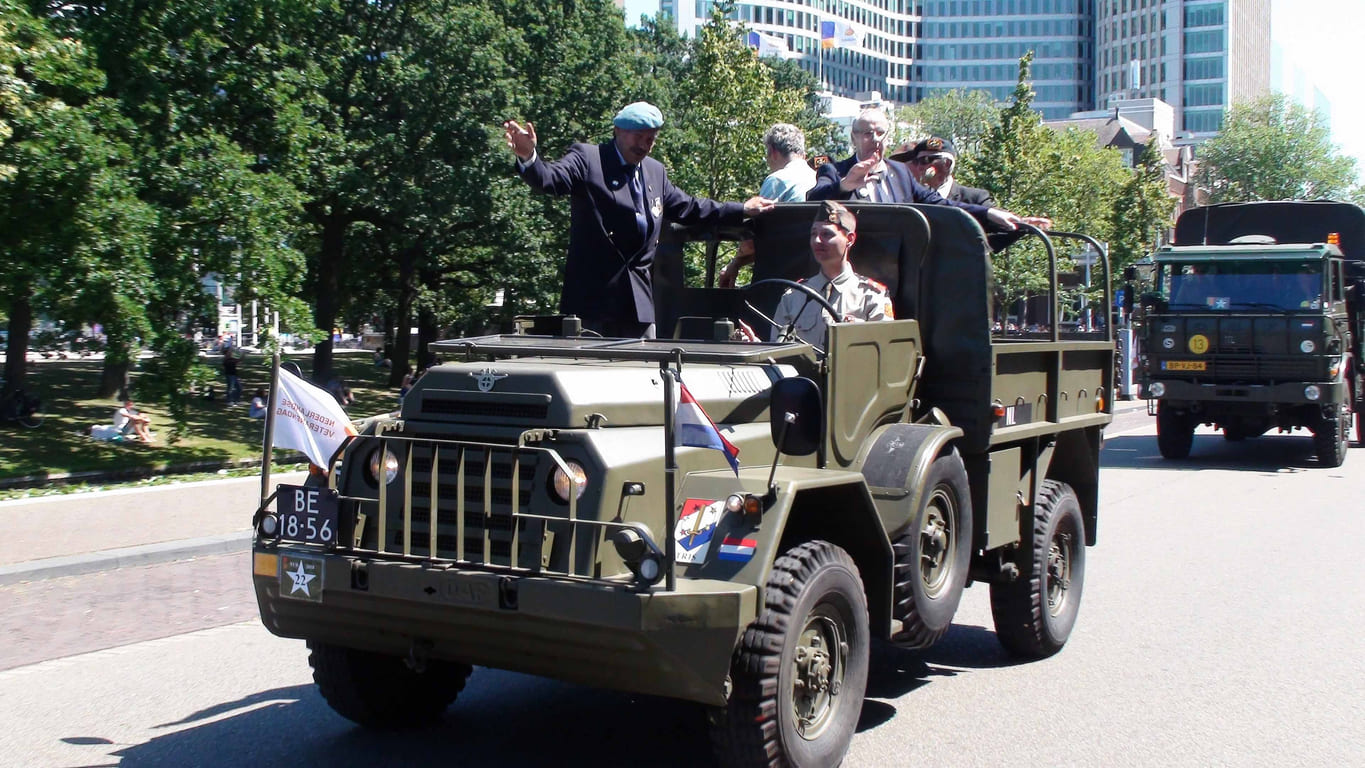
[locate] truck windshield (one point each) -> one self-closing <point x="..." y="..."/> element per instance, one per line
<point x="1242" y="285"/>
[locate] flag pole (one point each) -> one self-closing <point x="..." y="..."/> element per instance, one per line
<point x="268" y="441"/>
<point x="670" y="475"/>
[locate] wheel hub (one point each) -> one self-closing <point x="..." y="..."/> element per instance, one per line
<point x="936" y="536"/>
<point x="1058" y="572"/>
<point x="818" y="662"/>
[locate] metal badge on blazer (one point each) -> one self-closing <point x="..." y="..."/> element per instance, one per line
<point x="658" y="207"/>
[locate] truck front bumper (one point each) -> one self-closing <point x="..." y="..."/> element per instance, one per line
<point x="1180" y="393"/>
<point x="676" y="644"/>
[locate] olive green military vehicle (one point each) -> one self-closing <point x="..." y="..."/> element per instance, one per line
<point x="539" y="504"/>
<point x="1256" y="324"/>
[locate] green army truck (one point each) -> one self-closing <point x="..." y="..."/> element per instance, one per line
<point x="534" y="507"/>
<point x="1256" y="324"/>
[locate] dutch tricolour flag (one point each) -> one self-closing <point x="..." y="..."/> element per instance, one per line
<point x="693" y="427"/>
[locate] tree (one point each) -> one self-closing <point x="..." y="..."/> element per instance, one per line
<point x="1031" y="169"/>
<point x="1143" y="209"/>
<point x="963" y="116"/>
<point x="1274" y="149"/>
<point x="70" y="224"/>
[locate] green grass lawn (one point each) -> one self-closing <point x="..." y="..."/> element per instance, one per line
<point x="218" y="432"/>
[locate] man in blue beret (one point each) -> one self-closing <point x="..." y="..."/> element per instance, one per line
<point x="620" y="199"/>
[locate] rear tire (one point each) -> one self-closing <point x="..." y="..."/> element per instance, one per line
<point x="1034" y="614"/>
<point x="933" y="555"/>
<point x="379" y="691"/>
<point x="1174" y="433"/>
<point x="800" y="671"/>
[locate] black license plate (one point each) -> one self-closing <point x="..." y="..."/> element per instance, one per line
<point x="307" y="514"/>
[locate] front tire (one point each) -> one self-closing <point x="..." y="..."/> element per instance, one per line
<point x="800" y="671"/>
<point x="379" y="691"/>
<point x="1331" y="438"/>
<point x="1174" y="433"/>
<point x="933" y="555"/>
<point x="1034" y="614"/>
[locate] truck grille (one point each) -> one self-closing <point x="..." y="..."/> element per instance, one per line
<point x="481" y="506"/>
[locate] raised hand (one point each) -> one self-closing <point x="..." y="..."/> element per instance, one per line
<point x="522" y="141"/>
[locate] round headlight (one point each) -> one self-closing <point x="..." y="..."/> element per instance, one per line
<point x="576" y="480"/>
<point x="269" y="525"/>
<point x="1312" y="392"/>
<point x="390" y="465"/>
<point x="1168" y="343"/>
<point x="735" y="503"/>
<point x="1156" y="389"/>
<point x="1307" y="346"/>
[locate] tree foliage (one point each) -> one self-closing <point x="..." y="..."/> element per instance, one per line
<point x="963" y="116"/>
<point x="1034" y="170"/>
<point x="1274" y="149"/>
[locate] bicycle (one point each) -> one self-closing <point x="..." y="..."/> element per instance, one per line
<point x="23" y="408"/>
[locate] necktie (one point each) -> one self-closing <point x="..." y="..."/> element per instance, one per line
<point x="637" y="194"/>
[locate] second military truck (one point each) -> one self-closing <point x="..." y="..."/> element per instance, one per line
<point x="1256" y="324"/>
<point x="535" y="508"/>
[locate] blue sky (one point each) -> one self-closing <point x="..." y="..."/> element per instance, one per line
<point x="1323" y="38"/>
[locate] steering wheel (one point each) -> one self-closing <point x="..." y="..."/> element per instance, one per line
<point x="811" y="294"/>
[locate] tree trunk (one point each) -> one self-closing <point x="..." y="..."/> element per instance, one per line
<point x="427" y="332"/>
<point x="407" y="294"/>
<point x="331" y="258"/>
<point x="16" y="353"/>
<point x="114" y="374"/>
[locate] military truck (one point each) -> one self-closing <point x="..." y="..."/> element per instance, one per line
<point x="533" y="507"/>
<point x="1256" y="324"/>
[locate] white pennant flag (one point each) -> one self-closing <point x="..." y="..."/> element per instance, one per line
<point x="309" y="419"/>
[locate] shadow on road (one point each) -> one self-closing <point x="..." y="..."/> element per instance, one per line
<point x="508" y="719"/>
<point x="1268" y="453"/>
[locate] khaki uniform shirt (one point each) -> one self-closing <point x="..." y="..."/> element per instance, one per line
<point x="856" y="298"/>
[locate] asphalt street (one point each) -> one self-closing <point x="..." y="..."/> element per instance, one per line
<point x="1221" y="625"/>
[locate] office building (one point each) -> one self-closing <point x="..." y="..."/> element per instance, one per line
<point x="1199" y="56"/>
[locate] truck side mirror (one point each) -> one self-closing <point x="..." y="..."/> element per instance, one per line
<point x="799" y="398"/>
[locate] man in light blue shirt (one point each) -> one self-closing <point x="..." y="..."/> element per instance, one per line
<point x="791" y="175"/>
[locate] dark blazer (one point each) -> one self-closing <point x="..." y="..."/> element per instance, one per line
<point x="608" y="274"/>
<point x="971" y="195"/>
<point x="906" y="189"/>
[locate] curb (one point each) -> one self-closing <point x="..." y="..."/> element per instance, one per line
<point x="145" y="554"/>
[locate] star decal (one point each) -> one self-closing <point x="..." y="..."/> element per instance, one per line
<point x="301" y="580"/>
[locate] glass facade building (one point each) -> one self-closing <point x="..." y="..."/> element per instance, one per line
<point x="1200" y="56"/>
<point x="977" y="44"/>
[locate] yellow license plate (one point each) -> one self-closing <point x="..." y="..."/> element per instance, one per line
<point x="1184" y="365"/>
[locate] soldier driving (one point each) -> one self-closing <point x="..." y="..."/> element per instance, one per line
<point x="855" y="297"/>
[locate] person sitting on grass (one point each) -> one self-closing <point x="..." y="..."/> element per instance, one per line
<point x="129" y="419"/>
<point x="259" y="404"/>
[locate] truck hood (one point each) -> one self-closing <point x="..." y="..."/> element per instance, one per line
<point x="572" y="394"/>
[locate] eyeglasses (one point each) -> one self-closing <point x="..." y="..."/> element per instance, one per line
<point x="923" y="160"/>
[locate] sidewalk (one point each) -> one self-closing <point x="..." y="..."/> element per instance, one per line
<point x="55" y="536"/>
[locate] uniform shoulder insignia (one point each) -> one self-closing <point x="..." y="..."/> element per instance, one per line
<point x="819" y="160"/>
<point x="874" y="284"/>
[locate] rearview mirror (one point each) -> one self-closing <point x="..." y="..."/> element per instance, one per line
<point x="799" y="397"/>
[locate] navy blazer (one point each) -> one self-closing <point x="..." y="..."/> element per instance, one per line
<point x="608" y="274"/>
<point x="907" y="190"/>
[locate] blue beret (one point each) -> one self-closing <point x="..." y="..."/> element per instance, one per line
<point x="639" y="116"/>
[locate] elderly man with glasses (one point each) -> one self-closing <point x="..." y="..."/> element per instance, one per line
<point x="869" y="176"/>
